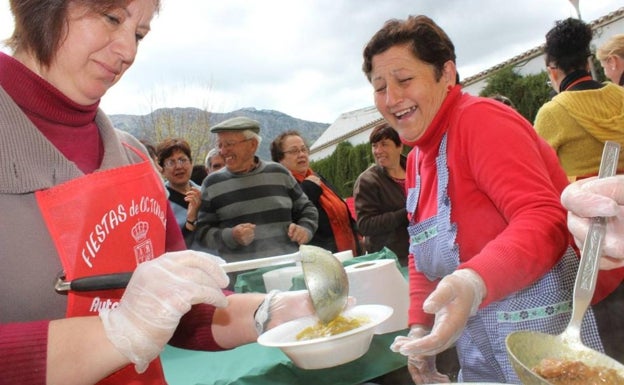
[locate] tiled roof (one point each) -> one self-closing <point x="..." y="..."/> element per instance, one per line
<point x="347" y="125"/>
<point x="533" y="52"/>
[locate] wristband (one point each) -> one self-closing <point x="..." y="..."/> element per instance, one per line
<point x="192" y="223"/>
<point x="262" y="315"/>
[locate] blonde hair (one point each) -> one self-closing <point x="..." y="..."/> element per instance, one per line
<point x="613" y="46"/>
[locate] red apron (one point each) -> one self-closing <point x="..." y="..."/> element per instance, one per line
<point x="107" y="222"/>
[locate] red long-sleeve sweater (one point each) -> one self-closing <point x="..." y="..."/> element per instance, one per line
<point x="504" y="185"/>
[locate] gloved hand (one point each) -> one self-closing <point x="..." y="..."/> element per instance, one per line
<point x="284" y="306"/>
<point x="279" y="307"/>
<point x="456" y="298"/>
<point x="422" y="368"/>
<point x="158" y="294"/>
<point x="594" y="197"/>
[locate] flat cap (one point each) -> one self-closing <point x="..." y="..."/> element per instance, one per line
<point x="239" y="123"/>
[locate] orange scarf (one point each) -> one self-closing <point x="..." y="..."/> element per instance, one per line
<point x="338" y="215"/>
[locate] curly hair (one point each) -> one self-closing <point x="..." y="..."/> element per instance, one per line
<point x="567" y="45"/>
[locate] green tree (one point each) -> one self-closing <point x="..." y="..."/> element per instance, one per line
<point x="528" y="93"/>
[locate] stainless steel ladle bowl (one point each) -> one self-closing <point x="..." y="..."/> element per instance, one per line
<point x="326" y="280"/>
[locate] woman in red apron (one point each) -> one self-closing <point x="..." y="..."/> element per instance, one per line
<point x="78" y="197"/>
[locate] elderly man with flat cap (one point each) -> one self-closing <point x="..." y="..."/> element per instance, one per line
<point x="253" y="208"/>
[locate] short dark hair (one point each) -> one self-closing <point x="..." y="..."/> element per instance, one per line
<point x="151" y="150"/>
<point x="277" y="145"/>
<point x="384" y="131"/>
<point x="171" y="145"/>
<point x="426" y="39"/>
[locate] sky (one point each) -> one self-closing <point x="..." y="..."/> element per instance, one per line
<point x="304" y="57"/>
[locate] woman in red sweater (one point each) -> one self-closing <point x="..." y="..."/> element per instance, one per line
<point x="80" y="198"/>
<point x="489" y="249"/>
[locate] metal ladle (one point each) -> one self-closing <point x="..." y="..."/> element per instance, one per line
<point x="323" y="273"/>
<point x="527" y="348"/>
<point x="326" y="280"/>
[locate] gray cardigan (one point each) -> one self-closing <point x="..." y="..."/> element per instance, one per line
<point x="28" y="258"/>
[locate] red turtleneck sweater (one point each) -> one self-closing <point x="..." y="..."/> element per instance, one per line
<point x="61" y="120"/>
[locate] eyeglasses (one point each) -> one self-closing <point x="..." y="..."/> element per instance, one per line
<point x="230" y="143"/>
<point x="296" y="151"/>
<point x="171" y="163"/>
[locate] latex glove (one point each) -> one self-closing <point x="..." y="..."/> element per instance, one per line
<point x="456" y="298"/>
<point x="594" y="197"/>
<point x="422" y="368"/>
<point x="281" y="307"/>
<point x="159" y="293"/>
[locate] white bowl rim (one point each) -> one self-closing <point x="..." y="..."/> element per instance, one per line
<point x="384" y="312"/>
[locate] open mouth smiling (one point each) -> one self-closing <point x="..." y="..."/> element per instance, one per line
<point x="404" y="113"/>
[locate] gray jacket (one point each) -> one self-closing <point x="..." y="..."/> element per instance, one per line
<point x="28" y="257"/>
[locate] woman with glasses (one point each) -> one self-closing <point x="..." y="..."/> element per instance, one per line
<point x="174" y="157"/>
<point x="336" y="227"/>
<point x="79" y="198"/>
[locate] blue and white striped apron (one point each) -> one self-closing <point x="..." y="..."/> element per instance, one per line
<point x="544" y="306"/>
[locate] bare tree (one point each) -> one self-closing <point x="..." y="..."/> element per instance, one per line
<point x="189" y="123"/>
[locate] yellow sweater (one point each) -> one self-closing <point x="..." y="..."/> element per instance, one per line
<point x="577" y="123"/>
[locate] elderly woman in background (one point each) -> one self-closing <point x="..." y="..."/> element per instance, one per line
<point x="336" y="228"/>
<point x="488" y="235"/>
<point x="174" y="158"/>
<point x="82" y="198"/>
<point x="611" y="56"/>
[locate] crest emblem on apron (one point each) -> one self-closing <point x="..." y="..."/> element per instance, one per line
<point x="143" y="250"/>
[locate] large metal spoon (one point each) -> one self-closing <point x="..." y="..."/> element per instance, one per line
<point x="527" y="348"/>
<point x="326" y="280"/>
<point x="323" y="273"/>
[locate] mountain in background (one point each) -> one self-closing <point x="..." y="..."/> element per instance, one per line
<point x="272" y="123"/>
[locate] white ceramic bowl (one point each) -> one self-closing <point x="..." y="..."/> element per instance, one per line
<point x="326" y="352"/>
